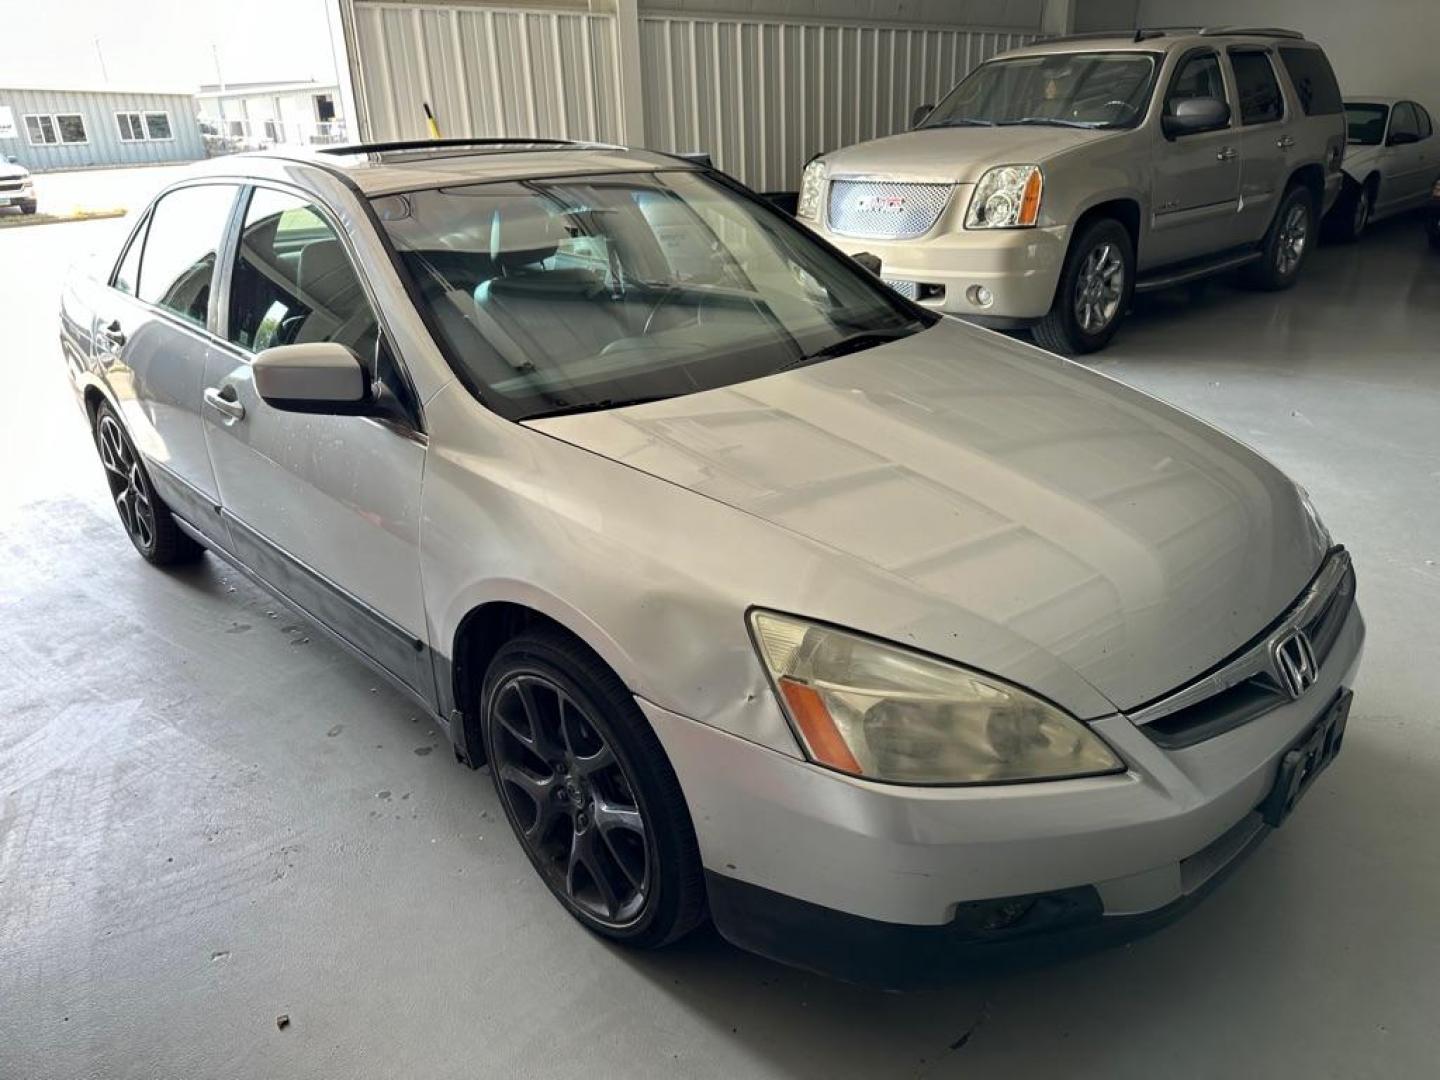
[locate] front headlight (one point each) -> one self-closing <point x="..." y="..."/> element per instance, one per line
<point x="886" y="713"/>
<point x="1006" y="197"/>
<point x="1308" y="505"/>
<point x="812" y="184"/>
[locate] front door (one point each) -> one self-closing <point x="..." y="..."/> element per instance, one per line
<point x="325" y="508"/>
<point x="155" y="341"/>
<point x="1406" y="178"/>
<point x="1266" y="139"/>
<point x="1196" y="188"/>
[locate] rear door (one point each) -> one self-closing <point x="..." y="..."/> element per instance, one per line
<point x="326" y="508"/>
<point x="1196" y="177"/>
<point x="1266" y="139"/>
<point x="155" y="338"/>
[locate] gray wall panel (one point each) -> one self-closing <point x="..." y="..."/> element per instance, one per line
<point x="103" y="146"/>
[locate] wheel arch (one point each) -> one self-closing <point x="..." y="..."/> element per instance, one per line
<point x="1312" y="178"/>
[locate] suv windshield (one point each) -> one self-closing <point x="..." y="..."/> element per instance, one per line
<point x="1365" y="123"/>
<point x="1083" y="89"/>
<point x="566" y="295"/>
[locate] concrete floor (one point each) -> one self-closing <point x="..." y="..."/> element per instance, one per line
<point x="210" y="817"/>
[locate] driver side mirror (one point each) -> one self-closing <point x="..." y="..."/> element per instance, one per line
<point x="1402" y="138"/>
<point x="921" y="112"/>
<point x="316" y="377"/>
<point x="1194" y="115"/>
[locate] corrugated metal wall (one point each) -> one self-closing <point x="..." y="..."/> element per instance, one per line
<point x="487" y="71"/>
<point x="761" y="93"/>
<point x="103" y="145"/>
<point x="765" y="97"/>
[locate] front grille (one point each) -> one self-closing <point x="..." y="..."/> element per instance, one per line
<point x="885" y="210"/>
<point x="1246" y="687"/>
<point x="11" y="185"/>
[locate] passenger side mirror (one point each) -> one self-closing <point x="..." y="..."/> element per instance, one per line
<point x="1194" y="115"/>
<point x="1402" y="138"/>
<point x="921" y="112"/>
<point x="317" y="377"/>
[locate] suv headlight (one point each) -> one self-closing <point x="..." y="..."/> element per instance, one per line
<point x="880" y="711"/>
<point x="1006" y="197"/>
<point x="812" y="184"/>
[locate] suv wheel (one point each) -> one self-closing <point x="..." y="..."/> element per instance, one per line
<point x="147" y="520"/>
<point x="1094" y="291"/>
<point x="1286" y="244"/>
<point x="29" y="207"/>
<point x="589" y="792"/>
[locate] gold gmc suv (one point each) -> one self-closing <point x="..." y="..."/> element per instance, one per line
<point x="1057" y="179"/>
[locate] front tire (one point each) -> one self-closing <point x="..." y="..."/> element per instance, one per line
<point x="1094" y="292"/>
<point x="1352" y="216"/>
<point x="1286" y="245"/>
<point x="589" y="792"/>
<point x="147" y="520"/>
<point x="29" y="207"/>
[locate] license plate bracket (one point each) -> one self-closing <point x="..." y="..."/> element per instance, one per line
<point x="1306" y="760"/>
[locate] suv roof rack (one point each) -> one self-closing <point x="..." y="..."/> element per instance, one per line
<point x="1252" y="31"/>
<point x="444" y="144"/>
<point x="1144" y="33"/>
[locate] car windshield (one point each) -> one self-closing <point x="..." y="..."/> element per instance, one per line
<point x="1365" y="123"/>
<point x="567" y="295"/>
<point x="1085" y="89"/>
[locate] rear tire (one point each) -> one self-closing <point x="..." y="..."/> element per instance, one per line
<point x="1094" y="292"/>
<point x="1286" y="245"/>
<point x="146" y="519"/>
<point x="589" y="792"/>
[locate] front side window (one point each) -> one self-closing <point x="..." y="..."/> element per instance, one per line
<point x="178" y="262"/>
<point x="71" y="127"/>
<point x="1198" y="76"/>
<point x="41" y="130"/>
<point x="1259" y="92"/>
<point x="128" y="124"/>
<point x="1365" y="123"/>
<point x="1101" y="89"/>
<point x="566" y="295"/>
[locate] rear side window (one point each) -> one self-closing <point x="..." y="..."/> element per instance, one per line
<point x="1314" y="81"/>
<point x="178" y="262"/>
<point x="1423" y="120"/>
<point x="1260" y="100"/>
<point x="128" y="272"/>
<point x="1405" y="123"/>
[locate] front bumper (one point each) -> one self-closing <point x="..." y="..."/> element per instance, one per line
<point x="1020" y="267"/>
<point x="914" y="861"/>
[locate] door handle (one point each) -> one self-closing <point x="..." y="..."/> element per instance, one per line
<point x="1285" y="142"/>
<point x="217" y="400"/>
<point x="1225" y="153"/>
<point x="113" y="333"/>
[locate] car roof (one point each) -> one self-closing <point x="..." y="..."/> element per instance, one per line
<point x="386" y="168"/>
<point x="1161" y="39"/>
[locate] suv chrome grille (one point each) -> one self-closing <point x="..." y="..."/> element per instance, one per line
<point x="1247" y="686"/>
<point x="11" y="185"/>
<point x="885" y="210"/>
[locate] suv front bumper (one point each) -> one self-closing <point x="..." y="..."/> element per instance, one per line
<point x="836" y="874"/>
<point x="1019" y="267"/>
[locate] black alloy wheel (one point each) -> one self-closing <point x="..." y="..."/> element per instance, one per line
<point x="147" y="520"/>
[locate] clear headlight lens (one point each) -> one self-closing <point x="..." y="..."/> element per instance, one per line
<point x="812" y="184"/>
<point x="1006" y="197"/>
<point x="884" y="712"/>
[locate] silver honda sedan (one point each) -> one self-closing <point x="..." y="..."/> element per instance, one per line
<point x="763" y="592"/>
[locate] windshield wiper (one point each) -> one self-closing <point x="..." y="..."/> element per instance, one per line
<point x="959" y="121"/>
<point x="593" y="406"/>
<point x="1050" y="120"/>
<point x="866" y="339"/>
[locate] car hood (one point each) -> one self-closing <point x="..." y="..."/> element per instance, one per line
<point x="1132" y="542"/>
<point x="12" y="172"/>
<point x="959" y="154"/>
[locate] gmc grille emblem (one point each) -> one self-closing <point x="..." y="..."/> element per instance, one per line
<point x="881" y="204"/>
<point x="1295" y="663"/>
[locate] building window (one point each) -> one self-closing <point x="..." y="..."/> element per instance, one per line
<point x="71" y="127"/>
<point x="324" y="108"/>
<point x="41" y="130"/>
<point x="129" y="125"/>
<point x="236" y="129"/>
<point x="273" y="131"/>
<point x="157" y="127"/>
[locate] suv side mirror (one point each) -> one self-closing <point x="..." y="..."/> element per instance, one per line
<point x="317" y="377"/>
<point x="921" y="112"/>
<point x="1402" y="138"/>
<point x="1194" y="115"/>
<point x="11" y="159"/>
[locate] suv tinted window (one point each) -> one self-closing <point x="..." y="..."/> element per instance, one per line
<point x="1314" y="81"/>
<point x="178" y="262"/>
<point x="1260" y="100"/>
<point x="1198" y="76"/>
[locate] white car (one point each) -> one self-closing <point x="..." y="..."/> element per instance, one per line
<point x="761" y="589"/>
<point x="1391" y="162"/>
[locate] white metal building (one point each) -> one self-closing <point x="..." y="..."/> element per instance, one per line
<point x="273" y="113"/>
<point x="762" y="91"/>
